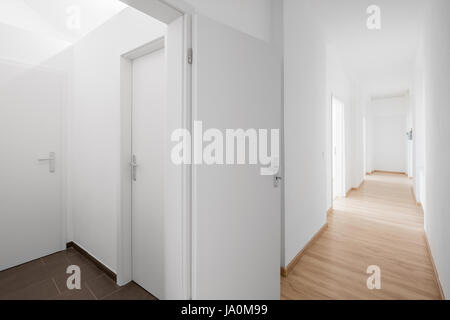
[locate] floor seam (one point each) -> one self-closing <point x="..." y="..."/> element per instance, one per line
<point x="87" y="286"/>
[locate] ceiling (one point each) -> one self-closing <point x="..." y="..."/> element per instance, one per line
<point x="50" y="17"/>
<point x="380" y="60"/>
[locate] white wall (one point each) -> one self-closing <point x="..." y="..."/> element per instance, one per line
<point x="387" y="127"/>
<point x="419" y="128"/>
<point x="340" y="86"/>
<point x="20" y="45"/>
<point x="94" y="136"/>
<point x="357" y="138"/>
<point x="305" y="131"/>
<point x="250" y="16"/>
<point x="437" y="102"/>
<point x="389" y="143"/>
<point x="32" y="49"/>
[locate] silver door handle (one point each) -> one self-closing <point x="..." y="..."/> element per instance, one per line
<point x="134" y="166"/>
<point x="51" y="161"/>
<point x="276" y="181"/>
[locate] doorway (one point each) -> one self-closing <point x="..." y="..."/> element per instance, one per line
<point x="171" y="259"/>
<point x="148" y="81"/>
<point x="31" y="203"/>
<point x="338" y="148"/>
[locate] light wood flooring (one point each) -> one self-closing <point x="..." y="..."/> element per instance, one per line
<point x="379" y="224"/>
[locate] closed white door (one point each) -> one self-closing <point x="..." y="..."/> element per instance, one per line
<point x="148" y="175"/>
<point x="30" y="163"/>
<point x="236" y="216"/>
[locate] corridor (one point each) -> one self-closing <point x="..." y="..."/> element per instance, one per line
<point x="379" y="224"/>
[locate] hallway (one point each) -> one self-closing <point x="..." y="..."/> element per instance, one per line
<point x="379" y="224"/>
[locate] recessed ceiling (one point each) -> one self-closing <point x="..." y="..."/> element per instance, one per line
<point x="380" y="60"/>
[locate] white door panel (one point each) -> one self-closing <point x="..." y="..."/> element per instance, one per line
<point x="338" y="152"/>
<point x="236" y="217"/>
<point x="147" y="188"/>
<point x="30" y="195"/>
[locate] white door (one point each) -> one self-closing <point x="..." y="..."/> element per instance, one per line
<point x="148" y="176"/>
<point x="338" y="149"/>
<point x="30" y="190"/>
<point x="236" y="215"/>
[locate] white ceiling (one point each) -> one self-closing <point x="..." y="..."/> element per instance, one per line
<point x="49" y="17"/>
<point x="380" y="60"/>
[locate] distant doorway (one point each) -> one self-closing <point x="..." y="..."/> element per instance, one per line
<point x="338" y="146"/>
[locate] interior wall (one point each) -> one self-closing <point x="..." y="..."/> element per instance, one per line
<point x="419" y="126"/>
<point x="389" y="149"/>
<point x="437" y="97"/>
<point x="277" y="40"/>
<point x="23" y="46"/>
<point x="339" y="86"/>
<point x="250" y="16"/>
<point x="305" y="129"/>
<point x="357" y="137"/>
<point x="94" y="130"/>
<point x="387" y="142"/>
<point x="31" y="49"/>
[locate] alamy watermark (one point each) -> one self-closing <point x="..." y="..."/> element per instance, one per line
<point x="374" y="281"/>
<point x="74" y="280"/>
<point x="228" y="147"/>
<point x="73" y="21"/>
<point x="374" y="19"/>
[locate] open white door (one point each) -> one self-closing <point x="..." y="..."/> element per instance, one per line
<point x="30" y="163"/>
<point x="148" y="175"/>
<point x="236" y="213"/>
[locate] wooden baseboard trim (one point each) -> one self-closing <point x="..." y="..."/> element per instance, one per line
<point x="329" y="212"/>
<point x="390" y="172"/>
<point x="413" y="194"/>
<point x="354" y="189"/>
<point x="99" y="265"/>
<point x="283" y="272"/>
<point x="415" y="200"/>
<point x="286" y="270"/>
<point x="436" y="275"/>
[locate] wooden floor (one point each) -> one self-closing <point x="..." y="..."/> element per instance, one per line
<point x="379" y="224"/>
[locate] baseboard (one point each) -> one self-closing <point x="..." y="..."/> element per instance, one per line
<point x="329" y="212"/>
<point x="99" y="265"/>
<point x="436" y="275"/>
<point x="354" y="189"/>
<point x="348" y="192"/>
<point x="413" y="194"/>
<point x="390" y="172"/>
<point x="286" y="270"/>
<point x="415" y="200"/>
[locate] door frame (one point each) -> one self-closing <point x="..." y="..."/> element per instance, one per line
<point x="159" y="10"/>
<point x="342" y="178"/>
<point x="62" y="157"/>
<point x="126" y="74"/>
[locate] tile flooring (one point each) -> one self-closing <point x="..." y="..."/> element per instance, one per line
<point x="45" y="279"/>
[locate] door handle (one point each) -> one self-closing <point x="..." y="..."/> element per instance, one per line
<point x="51" y="161"/>
<point x="276" y="181"/>
<point x="134" y="166"/>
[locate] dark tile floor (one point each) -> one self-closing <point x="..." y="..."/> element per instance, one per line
<point x="45" y="279"/>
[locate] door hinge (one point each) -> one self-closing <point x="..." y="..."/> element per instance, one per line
<point x="190" y="56"/>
